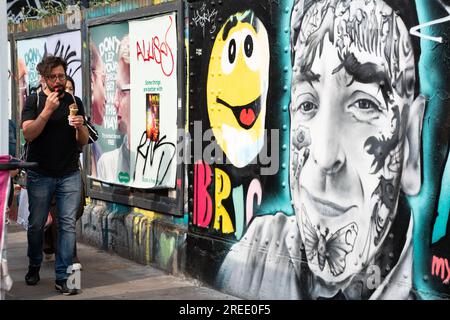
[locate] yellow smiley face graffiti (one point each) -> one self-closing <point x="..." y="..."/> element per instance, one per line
<point x="237" y="85"/>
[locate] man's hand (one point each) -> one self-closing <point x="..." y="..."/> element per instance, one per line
<point x="52" y="102"/>
<point x="77" y="121"/>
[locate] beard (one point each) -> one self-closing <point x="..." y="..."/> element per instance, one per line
<point x="60" y="88"/>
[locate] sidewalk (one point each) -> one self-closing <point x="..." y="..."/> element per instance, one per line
<point x="104" y="276"/>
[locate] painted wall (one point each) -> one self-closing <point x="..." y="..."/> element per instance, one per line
<point x="320" y="141"/>
<point x="323" y="161"/>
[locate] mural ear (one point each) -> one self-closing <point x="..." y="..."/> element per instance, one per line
<point x="411" y="176"/>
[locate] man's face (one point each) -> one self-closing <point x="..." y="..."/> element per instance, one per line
<point x="352" y="84"/>
<point x="98" y="99"/>
<point x="122" y="97"/>
<point x="56" y="80"/>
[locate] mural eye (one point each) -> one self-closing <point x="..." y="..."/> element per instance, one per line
<point x="307" y="110"/>
<point x="307" y="107"/>
<point x="248" y="46"/>
<point x="232" y="51"/>
<point x="229" y="55"/>
<point x="365" y="110"/>
<point x="365" y="104"/>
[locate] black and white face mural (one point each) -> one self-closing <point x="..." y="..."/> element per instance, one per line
<point x="355" y="130"/>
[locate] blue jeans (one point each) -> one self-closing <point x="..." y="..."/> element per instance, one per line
<point x="67" y="191"/>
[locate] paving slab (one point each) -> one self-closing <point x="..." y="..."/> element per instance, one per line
<point x="105" y="276"/>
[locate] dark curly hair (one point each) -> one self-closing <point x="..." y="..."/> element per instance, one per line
<point x="48" y="63"/>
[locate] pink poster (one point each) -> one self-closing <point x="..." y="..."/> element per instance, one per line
<point x="4" y="187"/>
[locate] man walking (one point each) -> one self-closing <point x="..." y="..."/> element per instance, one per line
<point x="53" y="140"/>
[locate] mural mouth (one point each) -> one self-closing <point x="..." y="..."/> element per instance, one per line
<point x="325" y="207"/>
<point x="245" y="115"/>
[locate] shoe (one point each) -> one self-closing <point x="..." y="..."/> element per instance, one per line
<point x="61" y="286"/>
<point x="32" y="277"/>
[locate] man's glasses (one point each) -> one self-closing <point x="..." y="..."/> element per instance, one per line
<point x="60" y="77"/>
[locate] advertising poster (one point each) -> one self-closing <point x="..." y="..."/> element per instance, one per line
<point x="153" y="51"/>
<point x="110" y="102"/>
<point x="31" y="51"/>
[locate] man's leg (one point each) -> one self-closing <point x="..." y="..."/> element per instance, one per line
<point x="68" y="193"/>
<point x="40" y="190"/>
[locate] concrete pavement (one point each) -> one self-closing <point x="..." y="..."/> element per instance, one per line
<point x="104" y="276"/>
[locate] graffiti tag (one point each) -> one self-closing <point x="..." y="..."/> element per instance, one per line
<point x="149" y="154"/>
<point x="159" y="52"/>
<point x="441" y="268"/>
<point x="203" y="16"/>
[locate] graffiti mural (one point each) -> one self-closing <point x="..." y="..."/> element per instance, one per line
<point x="233" y="62"/>
<point x="321" y="148"/>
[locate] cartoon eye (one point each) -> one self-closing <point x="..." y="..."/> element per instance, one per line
<point x="229" y="55"/>
<point x="248" y="46"/>
<point x="232" y="51"/>
<point x="251" y="53"/>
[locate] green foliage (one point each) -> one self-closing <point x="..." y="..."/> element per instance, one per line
<point x="50" y="8"/>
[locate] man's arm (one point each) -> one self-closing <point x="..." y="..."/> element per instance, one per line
<point x="33" y="128"/>
<point x="82" y="134"/>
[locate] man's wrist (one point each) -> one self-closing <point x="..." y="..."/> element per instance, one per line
<point x="42" y="117"/>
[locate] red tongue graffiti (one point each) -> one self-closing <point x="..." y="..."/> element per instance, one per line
<point x="247" y="116"/>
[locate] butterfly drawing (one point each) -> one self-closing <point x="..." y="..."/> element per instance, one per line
<point x="332" y="248"/>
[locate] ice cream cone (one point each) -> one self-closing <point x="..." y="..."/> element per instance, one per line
<point x="73" y="110"/>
